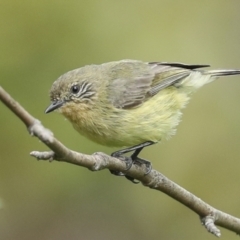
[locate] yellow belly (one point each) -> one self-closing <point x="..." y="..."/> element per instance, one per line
<point x="154" y="120"/>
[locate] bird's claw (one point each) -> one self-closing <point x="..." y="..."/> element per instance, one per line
<point x="131" y="179"/>
<point x="140" y="161"/>
<point x="133" y="159"/>
<point x="117" y="173"/>
<point x="127" y="160"/>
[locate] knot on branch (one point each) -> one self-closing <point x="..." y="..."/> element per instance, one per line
<point x="44" y="134"/>
<point x="209" y="224"/>
<point x="101" y="161"/>
<point x="43" y="155"/>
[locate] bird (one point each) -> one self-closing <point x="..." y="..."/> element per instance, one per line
<point x="129" y="104"/>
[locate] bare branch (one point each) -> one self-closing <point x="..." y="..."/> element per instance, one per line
<point x="210" y="217"/>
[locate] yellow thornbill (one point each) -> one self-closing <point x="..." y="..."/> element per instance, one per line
<point x="128" y="103"/>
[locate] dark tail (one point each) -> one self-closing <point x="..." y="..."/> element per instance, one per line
<point x="220" y="72"/>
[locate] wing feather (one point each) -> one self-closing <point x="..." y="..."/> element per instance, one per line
<point x="143" y="80"/>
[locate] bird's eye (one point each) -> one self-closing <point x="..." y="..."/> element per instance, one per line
<point x="75" y="89"/>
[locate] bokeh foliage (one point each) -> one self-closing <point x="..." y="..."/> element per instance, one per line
<point x="41" y="40"/>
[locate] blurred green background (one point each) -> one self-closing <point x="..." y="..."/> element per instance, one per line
<point x="39" y="41"/>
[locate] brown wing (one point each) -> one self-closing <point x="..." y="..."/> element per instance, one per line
<point x="144" y="80"/>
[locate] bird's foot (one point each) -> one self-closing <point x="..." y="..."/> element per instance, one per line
<point x="129" y="162"/>
<point x="139" y="161"/>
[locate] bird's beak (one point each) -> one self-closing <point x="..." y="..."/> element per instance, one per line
<point x="54" y="105"/>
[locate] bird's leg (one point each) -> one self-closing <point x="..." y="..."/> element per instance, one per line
<point x="133" y="159"/>
<point x="140" y="161"/>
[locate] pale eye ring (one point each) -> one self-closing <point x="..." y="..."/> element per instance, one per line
<point x="75" y="89"/>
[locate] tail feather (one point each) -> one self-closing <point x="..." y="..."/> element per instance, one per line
<point x="199" y="78"/>
<point x="220" y="72"/>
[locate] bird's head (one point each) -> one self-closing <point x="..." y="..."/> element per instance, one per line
<point x="72" y="89"/>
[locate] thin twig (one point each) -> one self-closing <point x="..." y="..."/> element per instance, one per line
<point x="210" y="217"/>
